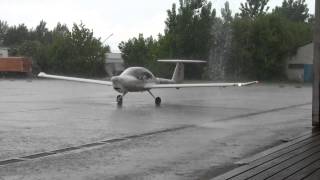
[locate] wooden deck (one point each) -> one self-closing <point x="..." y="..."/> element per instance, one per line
<point x="298" y="159"/>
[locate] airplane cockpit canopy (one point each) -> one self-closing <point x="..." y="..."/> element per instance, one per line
<point x="139" y="73"/>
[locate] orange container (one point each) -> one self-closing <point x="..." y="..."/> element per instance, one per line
<point x="15" y="64"/>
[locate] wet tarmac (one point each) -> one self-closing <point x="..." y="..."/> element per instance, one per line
<point x="52" y="129"/>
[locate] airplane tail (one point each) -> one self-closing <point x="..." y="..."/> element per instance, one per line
<point x="178" y="74"/>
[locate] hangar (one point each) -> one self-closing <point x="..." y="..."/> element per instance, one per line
<point x="114" y="64"/>
<point x="3" y="52"/>
<point x="299" y="67"/>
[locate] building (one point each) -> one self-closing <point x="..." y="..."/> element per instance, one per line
<point x="114" y="64"/>
<point x="3" y="52"/>
<point x="300" y="66"/>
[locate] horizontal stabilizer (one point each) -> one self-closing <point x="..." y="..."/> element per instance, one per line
<point x="42" y="74"/>
<point x="181" y="61"/>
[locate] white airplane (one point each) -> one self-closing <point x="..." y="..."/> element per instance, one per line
<point x="138" y="79"/>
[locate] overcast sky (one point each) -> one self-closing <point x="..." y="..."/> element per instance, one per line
<point x="122" y="18"/>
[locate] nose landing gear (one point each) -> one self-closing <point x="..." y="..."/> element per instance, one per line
<point x="120" y="99"/>
<point x="157" y="100"/>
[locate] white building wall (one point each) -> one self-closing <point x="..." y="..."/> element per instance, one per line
<point x="304" y="55"/>
<point x="295" y="64"/>
<point x="114" y="63"/>
<point x="3" y="52"/>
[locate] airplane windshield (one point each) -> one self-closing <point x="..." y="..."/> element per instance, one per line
<point x="139" y="73"/>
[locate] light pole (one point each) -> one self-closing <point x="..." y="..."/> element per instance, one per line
<point x="107" y="38"/>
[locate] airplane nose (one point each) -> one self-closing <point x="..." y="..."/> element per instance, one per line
<point x="116" y="83"/>
<point x="115" y="79"/>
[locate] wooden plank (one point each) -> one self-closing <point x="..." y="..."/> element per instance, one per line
<point x="315" y="175"/>
<point x="297" y="169"/>
<point x="310" y="142"/>
<point x="285" y="148"/>
<point x="285" y="160"/>
<point x="307" y="172"/>
<point x="290" y="167"/>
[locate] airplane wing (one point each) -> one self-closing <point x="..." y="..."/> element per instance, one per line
<point x="42" y="74"/>
<point x="154" y="86"/>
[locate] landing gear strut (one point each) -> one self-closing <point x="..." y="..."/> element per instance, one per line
<point x="120" y="99"/>
<point x="157" y="100"/>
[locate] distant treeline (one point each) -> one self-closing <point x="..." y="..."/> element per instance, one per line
<point x="251" y="44"/>
<point x="60" y="51"/>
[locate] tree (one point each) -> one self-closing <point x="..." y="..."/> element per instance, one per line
<point x="3" y="31"/>
<point x="220" y="50"/>
<point x="16" y="35"/>
<point x="170" y="33"/>
<point x="260" y="47"/>
<point x="60" y="30"/>
<point x="188" y="33"/>
<point x="240" y="48"/>
<point x="254" y="8"/>
<point x="41" y="33"/>
<point x="61" y="51"/>
<point x="295" y="10"/>
<point x="139" y="51"/>
<point x="226" y="13"/>
<point x="37" y="52"/>
<point x="88" y="53"/>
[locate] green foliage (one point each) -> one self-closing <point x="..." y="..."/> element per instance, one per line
<point x="226" y="13"/>
<point x="76" y="52"/>
<point x="137" y="51"/>
<point x="187" y="36"/>
<point x="59" y="51"/>
<point x="220" y="50"/>
<point x="191" y="30"/>
<point x="41" y="33"/>
<point x="261" y="46"/>
<point x="3" y="31"/>
<point x="16" y="35"/>
<point x="294" y="10"/>
<point x="143" y="52"/>
<point x="254" y="8"/>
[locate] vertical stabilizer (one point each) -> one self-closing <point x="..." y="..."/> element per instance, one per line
<point x="178" y="74"/>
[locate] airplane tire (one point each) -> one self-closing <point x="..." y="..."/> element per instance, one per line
<point x="119" y="100"/>
<point x="158" y="101"/>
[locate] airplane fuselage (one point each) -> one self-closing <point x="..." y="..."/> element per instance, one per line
<point x="134" y="79"/>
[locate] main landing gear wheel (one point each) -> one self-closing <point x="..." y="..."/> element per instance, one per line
<point x="119" y="100"/>
<point x="158" y="101"/>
